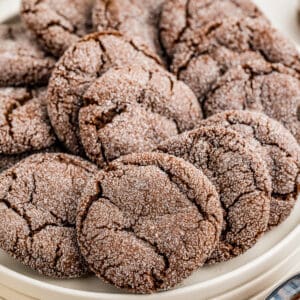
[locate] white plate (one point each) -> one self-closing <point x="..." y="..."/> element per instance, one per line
<point x="242" y="277"/>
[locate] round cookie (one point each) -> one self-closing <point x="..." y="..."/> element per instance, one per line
<point x="181" y="16"/>
<point x="22" y="62"/>
<point x="57" y="24"/>
<point x="202" y="56"/>
<point x="38" y="202"/>
<point x="135" y="19"/>
<point x="152" y="104"/>
<point x="242" y="64"/>
<point x="148" y="221"/>
<point x="241" y="178"/>
<point x="80" y="66"/>
<point x="24" y="121"/>
<point x="279" y="149"/>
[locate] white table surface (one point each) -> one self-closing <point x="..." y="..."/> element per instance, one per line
<point x="283" y="14"/>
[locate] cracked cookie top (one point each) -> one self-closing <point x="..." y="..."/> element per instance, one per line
<point x="181" y="16"/>
<point x="152" y="104"/>
<point x="148" y="221"/>
<point x="22" y="62"/>
<point x="57" y="24"/>
<point x="38" y="201"/>
<point x="278" y="148"/>
<point x="135" y="19"/>
<point x="265" y="88"/>
<point x="24" y="121"/>
<point x="80" y="66"/>
<point x="241" y="178"/>
<point x="203" y="56"/>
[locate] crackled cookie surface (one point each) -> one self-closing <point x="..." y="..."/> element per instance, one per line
<point x="132" y="109"/>
<point x="240" y="176"/>
<point x="80" y="66"/>
<point x="136" y="19"/>
<point x="38" y="201"/>
<point x="179" y="17"/>
<point x="279" y="149"/>
<point x="203" y="56"/>
<point x="24" y="121"/>
<point x="57" y="24"/>
<point x="22" y="62"/>
<point x="148" y="221"/>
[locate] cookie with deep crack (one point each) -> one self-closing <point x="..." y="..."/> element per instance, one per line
<point x="132" y="109"/>
<point x="278" y="148"/>
<point x="181" y="16"/>
<point x="202" y="56"/>
<point x="57" y="24"/>
<point x="22" y="62"/>
<point x="24" y="121"/>
<point x="38" y="202"/>
<point x="241" y="178"/>
<point x="80" y="66"/>
<point x="135" y="19"/>
<point x="148" y="221"/>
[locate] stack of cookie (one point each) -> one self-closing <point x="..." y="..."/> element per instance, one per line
<point x="141" y="140"/>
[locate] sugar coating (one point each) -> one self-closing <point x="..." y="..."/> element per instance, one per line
<point x="57" y="24"/>
<point x="80" y="66"/>
<point x="132" y="109"/>
<point x="38" y="201"/>
<point x="241" y="178"/>
<point x="22" y="62"/>
<point x="181" y="16"/>
<point x="24" y="122"/>
<point x="148" y="221"/>
<point x="278" y="148"/>
<point x="135" y="19"/>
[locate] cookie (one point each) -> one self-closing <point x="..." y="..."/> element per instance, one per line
<point x="24" y="121"/>
<point x="181" y="16"/>
<point x="38" y="201"/>
<point x="57" y="24"/>
<point x="241" y="178"/>
<point x="201" y="57"/>
<point x="22" y="62"/>
<point x="132" y="109"/>
<point x="269" y="90"/>
<point x="279" y="149"/>
<point x="135" y="19"/>
<point x="148" y="221"/>
<point x="80" y="66"/>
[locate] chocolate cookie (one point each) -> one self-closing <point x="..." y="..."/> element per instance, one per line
<point x="181" y="16"/>
<point x="24" y="121"/>
<point x="240" y="176"/>
<point x="57" y="24"/>
<point x="269" y="90"/>
<point x="136" y="19"/>
<point x="148" y="221"/>
<point x="279" y="149"/>
<point x="38" y="201"/>
<point x="132" y="109"/>
<point x="22" y="62"/>
<point x="80" y="66"/>
<point x="201" y="57"/>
